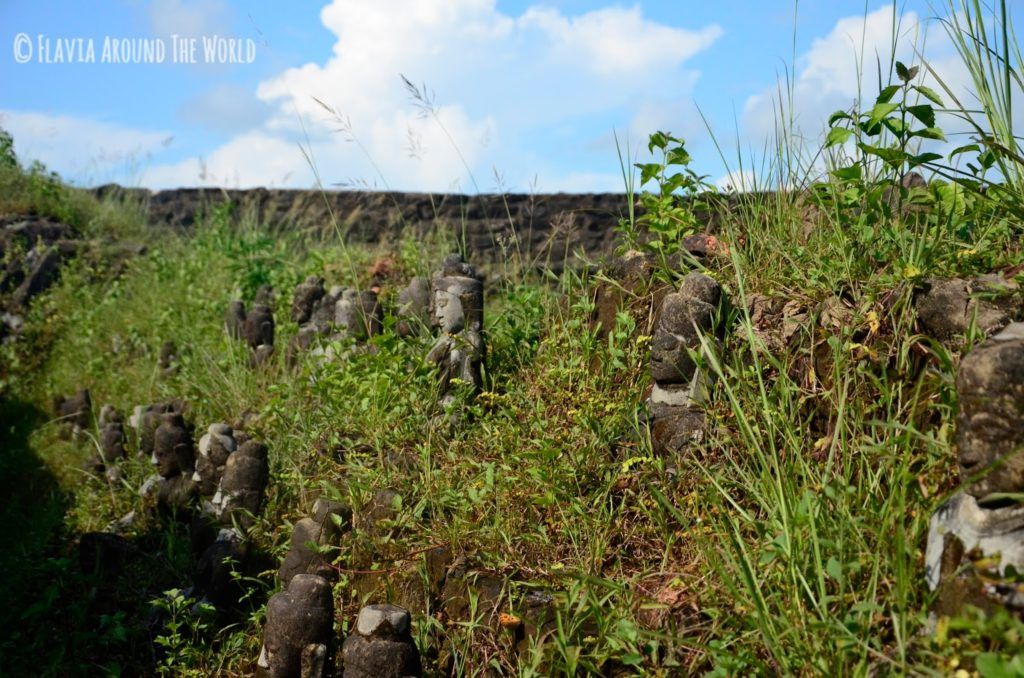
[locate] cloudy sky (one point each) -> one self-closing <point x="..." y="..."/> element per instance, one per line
<point x="523" y="95"/>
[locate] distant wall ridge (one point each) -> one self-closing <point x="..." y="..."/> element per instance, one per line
<point x="550" y="227"/>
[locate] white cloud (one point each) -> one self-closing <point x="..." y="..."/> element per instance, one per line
<point x="841" y="69"/>
<point x="519" y="94"/>
<point x="501" y="81"/>
<point x="84" y="150"/>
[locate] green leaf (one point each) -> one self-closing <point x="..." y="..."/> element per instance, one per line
<point x="837" y="116"/>
<point x="895" y="125"/>
<point x="892" y="156"/>
<point x="881" y="110"/>
<point x="902" y="71"/>
<point x="851" y="173"/>
<point x="658" y="140"/>
<point x="834" y="570"/>
<point x="887" y="94"/>
<point x="929" y="93"/>
<point x="923" y="112"/>
<point x="929" y="133"/>
<point x="964" y="149"/>
<point x="837" y="135"/>
<point x="921" y="159"/>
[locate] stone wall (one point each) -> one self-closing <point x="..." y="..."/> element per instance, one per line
<point x="550" y="227"/>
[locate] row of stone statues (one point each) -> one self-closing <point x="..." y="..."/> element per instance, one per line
<point x="298" y="635"/>
<point x="450" y="303"/>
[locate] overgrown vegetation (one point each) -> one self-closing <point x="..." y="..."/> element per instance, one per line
<point x="790" y="541"/>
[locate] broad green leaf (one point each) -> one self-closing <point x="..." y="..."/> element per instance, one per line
<point x="881" y="110"/>
<point x="929" y="133"/>
<point x="895" y="125"/>
<point x="834" y="569"/>
<point x="657" y="140"/>
<point x="851" y="173"/>
<point x="916" y="160"/>
<point x="837" y="116"/>
<point x="887" y="94"/>
<point x="964" y="149"/>
<point x="837" y="135"/>
<point x="923" y="112"/>
<point x="929" y="93"/>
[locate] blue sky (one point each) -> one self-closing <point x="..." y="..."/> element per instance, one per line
<point x="528" y="92"/>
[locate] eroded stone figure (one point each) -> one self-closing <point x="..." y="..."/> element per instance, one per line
<point x="457" y="312"/>
<point x="297" y="635"/>
<point x="382" y="645"/>
<point x="678" y="392"/>
<point x="976" y="538"/>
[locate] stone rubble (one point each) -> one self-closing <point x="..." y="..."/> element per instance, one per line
<point x="307" y="294"/>
<point x="112" y="441"/>
<point x="214" y="448"/>
<point x="947" y="307"/>
<point x="240" y="495"/>
<point x="358" y="315"/>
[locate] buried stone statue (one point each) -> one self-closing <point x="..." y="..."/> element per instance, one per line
<point x="677" y="418"/>
<point x="976" y="538"/>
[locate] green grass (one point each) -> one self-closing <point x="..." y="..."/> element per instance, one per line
<point x="790" y="541"/>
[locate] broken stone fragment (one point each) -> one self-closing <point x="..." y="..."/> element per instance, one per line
<point x="358" y="314"/>
<point x="947" y="307"/>
<point x="970" y="553"/>
<point x="112" y="442"/>
<point x="330" y="519"/>
<point x="299" y="617"/>
<point x="300" y="344"/>
<point x="306" y="295"/>
<point x="176" y="493"/>
<point x="234" y="319"/>
<point x="44" y="271"/>
<point x="413" y="308"/>
<point x="259" y="326"/>
<point x="681" y="321"/>
<point x="382" y="645"/>
<point x="990" y="422"/>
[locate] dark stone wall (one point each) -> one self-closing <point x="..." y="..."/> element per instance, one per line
<point x="551" y="228"/>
